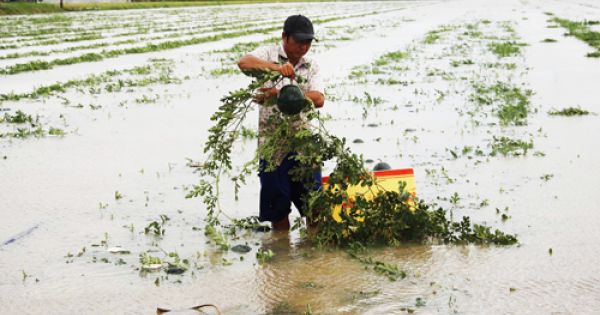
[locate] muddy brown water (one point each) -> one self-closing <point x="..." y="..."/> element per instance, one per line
<point x="57" y="193"/>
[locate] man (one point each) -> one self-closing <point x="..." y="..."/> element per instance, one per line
<point x="278" y="190"/>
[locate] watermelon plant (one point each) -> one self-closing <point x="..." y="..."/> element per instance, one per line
<point x="389" y="218"/>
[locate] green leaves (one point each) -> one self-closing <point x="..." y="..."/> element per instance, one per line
<point x="217" y="237"/>
<point x="505" y="49"/>
<point x="264" y="256"/>
<point x="582" y="31"/>
<point x="118" y="195"/>
<point x="510" y="147"/>
<point x="392" y="271"/>
<point x="511" y="101"/>
<point x="18" y="118"/>
<point x="569" y="111"/>
<point x="149" y="262"/>
<point x="389" y="218"/>
<point x="222" y="136"/>
<point x="154" y="228"/>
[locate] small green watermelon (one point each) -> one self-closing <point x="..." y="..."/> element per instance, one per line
<point x="291" y="100"/>
<point x="381" y="166"/>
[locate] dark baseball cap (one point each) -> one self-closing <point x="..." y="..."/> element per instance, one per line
<point x="299" y="27"/>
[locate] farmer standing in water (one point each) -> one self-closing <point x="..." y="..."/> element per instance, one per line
<point x="278" y="191"/>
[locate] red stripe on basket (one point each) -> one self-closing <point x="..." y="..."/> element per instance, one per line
<point x="386" y="173"/>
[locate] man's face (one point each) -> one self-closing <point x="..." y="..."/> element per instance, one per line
<point x="295" y="49"/>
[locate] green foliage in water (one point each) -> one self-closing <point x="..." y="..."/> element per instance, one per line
<point x="217" y="237"/>
<point x="22" y="133"/>
<point x="391" y="271"/>
<point x="582" y="31"/>
<point x="394" y="56"/>
<point x="512" y="102"/>
<point x="390" y="218"/>
<point x="507" y="146"/>
<point x="456" y="63"/>
<point x="431" y="38"/>
<point x="148" y="261"/>
<point x="56" y="131"/>
<point x="368" y="100"/>
<point x="18" y="118"/>
<point x="264" y="255"/>
<point x="505" y="49"/>
<point x="37" y="8"/>
<point x="32" y="126"/>
<point x="155" y="228"/>
<point x="159" y="71"/>
<point x="569" y="111"/>
<point x="87" y="6"/>
<point x="149" y="47"/>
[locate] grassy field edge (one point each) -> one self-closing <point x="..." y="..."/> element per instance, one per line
<point x="40" y="8"/>
<point x="28" y="8"/>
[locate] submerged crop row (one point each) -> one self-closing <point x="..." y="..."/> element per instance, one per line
<point x="24" y="126"/>
<point x="511" y="103"/>
<point x="175" y="34"/>
<point x="130" y="30"/>
<point x="76" y="23"/>
<point x="158" y="71"/>
<point x="474" y="68"/>
<point x="89" y="57"/>
<point x="227" y="57"/>
<point x="44" y="30"/>
<point x="582" y="31"/>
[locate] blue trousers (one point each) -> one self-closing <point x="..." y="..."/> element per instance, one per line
<point x="278" y="191"/>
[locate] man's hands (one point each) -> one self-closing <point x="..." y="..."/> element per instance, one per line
<point x="250" y="63"/>
<point x="269" y="92"/>
<point x="287" y="70"/>
<point x="264" y="94"/>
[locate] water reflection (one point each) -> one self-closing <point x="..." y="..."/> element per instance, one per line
<point x="302" y="278"/>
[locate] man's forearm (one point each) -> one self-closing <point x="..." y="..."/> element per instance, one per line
<point x="249" y="63"/>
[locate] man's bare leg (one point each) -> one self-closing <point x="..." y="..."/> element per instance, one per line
<point x="282" y="225"/>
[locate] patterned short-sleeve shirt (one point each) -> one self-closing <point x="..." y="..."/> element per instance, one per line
<point x="306" y="68"/>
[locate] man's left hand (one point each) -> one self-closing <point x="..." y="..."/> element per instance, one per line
<point x="268" y="92"/>
<point x="264" y="94"/>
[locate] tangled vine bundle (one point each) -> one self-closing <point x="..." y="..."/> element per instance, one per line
<point x="390" y="217"/>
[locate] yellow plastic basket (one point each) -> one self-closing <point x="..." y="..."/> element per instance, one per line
<point x="387" y="180"/>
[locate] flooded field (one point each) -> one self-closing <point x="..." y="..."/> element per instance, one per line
<point x="104" y="114"/>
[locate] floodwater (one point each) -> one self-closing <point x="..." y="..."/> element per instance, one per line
<point x="57" y="194"/>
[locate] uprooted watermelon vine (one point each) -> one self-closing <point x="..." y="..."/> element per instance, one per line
<point x="388" y="218"/>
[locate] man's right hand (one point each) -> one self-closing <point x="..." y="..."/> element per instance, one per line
<point x="287" y="70"/>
